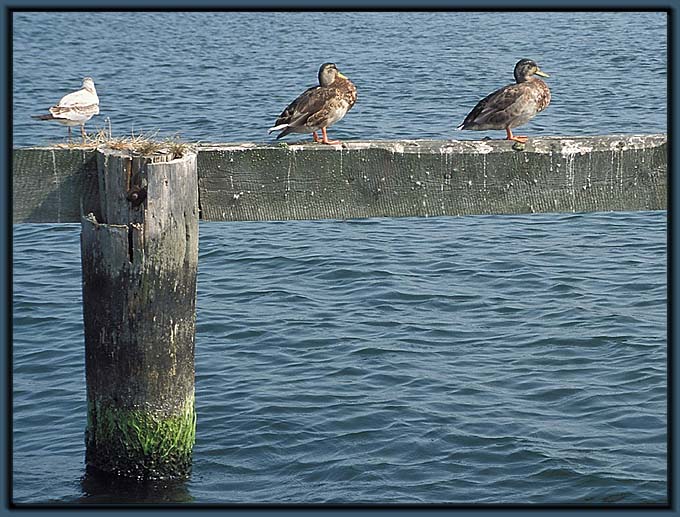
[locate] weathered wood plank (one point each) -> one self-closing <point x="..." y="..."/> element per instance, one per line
<point x="48" y="184"/>
<point x="381" y="178"/>
<point x="428" y="178"/>
<point x="139" y="295"/>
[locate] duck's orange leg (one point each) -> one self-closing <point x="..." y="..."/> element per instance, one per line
<point x="521" y="139"/>
<point x="315" y="137"/>
<point x="325" y="139"/>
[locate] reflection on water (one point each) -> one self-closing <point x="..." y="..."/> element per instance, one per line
<point x="100" y="488"/>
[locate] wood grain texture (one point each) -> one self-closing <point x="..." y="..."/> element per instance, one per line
<point x="378" y="179"/>
<point x="430" y="178"/>
<point x="139" y="299"/>
<point x="48" y="184"/>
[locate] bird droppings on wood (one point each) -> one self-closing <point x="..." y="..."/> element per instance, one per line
<point x="282" y="180"/>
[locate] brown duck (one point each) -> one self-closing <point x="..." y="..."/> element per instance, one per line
<point x="512" y="105"/>
<point x="318" y="107"/>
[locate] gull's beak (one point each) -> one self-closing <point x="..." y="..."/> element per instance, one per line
<point x="541" y="73"/>
<point x="341" y="76"/>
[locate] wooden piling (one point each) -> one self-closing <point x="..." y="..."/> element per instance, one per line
<point x="139" y="252"/>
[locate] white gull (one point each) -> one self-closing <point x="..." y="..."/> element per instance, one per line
<point x="75" y="108"/>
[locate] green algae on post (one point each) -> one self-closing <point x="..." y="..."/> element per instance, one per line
<point x="141" y="444"/>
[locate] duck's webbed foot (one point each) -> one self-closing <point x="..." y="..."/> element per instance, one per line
<point x="325" y="139"/>
<point x="516" y="138"/>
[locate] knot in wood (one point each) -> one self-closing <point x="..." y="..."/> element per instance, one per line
<point x="136" y="195"/>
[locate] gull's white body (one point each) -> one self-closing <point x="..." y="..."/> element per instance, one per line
<point x="75" y="108"/>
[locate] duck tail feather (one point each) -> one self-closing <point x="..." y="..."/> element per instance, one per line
<point x="276" y="128"/>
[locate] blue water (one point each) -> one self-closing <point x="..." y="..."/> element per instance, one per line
<point x="225" y="77"/>
<point x="482" y="359"/>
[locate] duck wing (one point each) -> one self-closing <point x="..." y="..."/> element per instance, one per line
<point x="310" y="102"/>
<point x="501" y="107"/>
<point x="340" y="98"/>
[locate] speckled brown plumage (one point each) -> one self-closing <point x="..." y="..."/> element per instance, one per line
<point x="512" y="105"/>
<point x="319" y="107"/>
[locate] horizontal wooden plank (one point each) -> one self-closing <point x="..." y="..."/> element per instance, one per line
<point x="48" y="184"/>
<point x="248" y="181"/>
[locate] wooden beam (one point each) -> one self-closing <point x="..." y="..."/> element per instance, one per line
<point x="377" y="178"/>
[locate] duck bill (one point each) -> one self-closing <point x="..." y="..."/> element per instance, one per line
<point x="541" y="73"/>
<point x="342" y="76"/>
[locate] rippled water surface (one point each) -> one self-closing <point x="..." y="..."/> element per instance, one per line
<point x="216" y="77"/>
<point x="475" y="359"/>
<point x="483" y="359"/>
